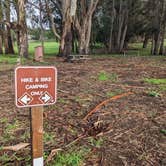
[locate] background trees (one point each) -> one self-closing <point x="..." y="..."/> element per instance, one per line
<point x="78" y="25"/>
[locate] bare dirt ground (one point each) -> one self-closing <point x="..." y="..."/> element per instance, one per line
<point x="129" y="130"/>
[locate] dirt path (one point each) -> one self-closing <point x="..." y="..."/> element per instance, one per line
<point x="127" y="131"/>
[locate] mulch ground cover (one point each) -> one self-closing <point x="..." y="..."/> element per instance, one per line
<point x="105" y="111"/>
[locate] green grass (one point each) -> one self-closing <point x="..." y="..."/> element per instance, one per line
<point x="50" y="49"/>
<point x="161" y="83"/>
<point x="48" y="137"/>
<point x="114" y="92"/>
<point x="96" y="142"/>
<point x="8" y="59"/>
<point x="9" y="130"/>
<point x="71" y="158"/>
<point x="103" y="76"/>
<point x="137" y="49"/>
<point x="155" y="81"/>
<point x="163" y="131"/>
<point x="153" y="94"/>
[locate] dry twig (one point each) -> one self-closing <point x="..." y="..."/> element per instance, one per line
<point x="105" y="102"/>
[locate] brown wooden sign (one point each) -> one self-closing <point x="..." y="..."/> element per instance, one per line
<point x="35" y="86"/>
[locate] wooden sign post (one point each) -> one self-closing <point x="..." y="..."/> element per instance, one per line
<point x="36" y="87"/>
<point x="37" y="135"/>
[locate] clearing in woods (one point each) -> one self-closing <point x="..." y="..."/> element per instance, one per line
<point x="126" y="130"/>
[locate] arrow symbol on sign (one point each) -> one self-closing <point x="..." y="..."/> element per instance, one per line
<point x="46" y="98"/>
<point x="25" y="99"/>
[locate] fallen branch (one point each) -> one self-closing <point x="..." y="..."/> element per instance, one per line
<point x="52" y="154"/>
<point x="105" y="102"/>
<point x="16" y="147"/>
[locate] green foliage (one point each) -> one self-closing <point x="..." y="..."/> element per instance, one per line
<point x="162" y="88"/>
<point x="72" y="158"/>
<point x="103" y="76"/>
<point x="3" y="120"/>
<point x="63" y="101"/>
<point x="48" y="137"/>
<point x="114" y="92"/>
<point x="50" y="48"/>
<point x="161" y="83"/>
<point x="4" y="158"/>
<point x="9" y="130"/>
<point x="25" y="135"/>
<point x="96" y="142"/>
<point x="153" y="94"/>
<point x="155" y="81"/>
<point x="163" y="131"/>
<point x="35" y="33"/>
<point x="113" y="77"/>
<point x="8" y="59"/>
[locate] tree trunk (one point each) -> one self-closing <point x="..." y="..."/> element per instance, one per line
<point x="119" y="29"/>
<point x="88" y="34"/>
<point x="68" y="13"/>
<point x="51" y="18"/>
<point x="156" y="43"/>
<point x="112" y="26"/>
<point x="23" y="36"/>
<point x="120" y="25"/>
<point x="1" y="45"/>
<point x="123" y="38"/>
<point x="6" y="46"/>
<point x="81" y="42"/>
<point x="66" y="39"/>
<point x="146" y="40"/>
<point x="161" y="51"/>
<point x="83" y="24"/>
<point x="152" y="46"/>
<point x="8" y="40"/>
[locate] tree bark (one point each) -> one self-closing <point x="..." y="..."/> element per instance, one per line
<point x="23" y="36"/>
<point x="8" y="39"/>
<point x="68" y="14"/>
<point x="112" y="26"/>
<point x="146" y="40"/>
<point x="156" y="43"/>
<point x="1" y="30"/>
<point x="120" y="25"/>
<point x="1" y="45"/>
<point x="123" y="38"/>
<point x="51" y="18"/>
<point x="83" y="24"/>
<point x="152" y="46"/>
<point x="161" y="51"/>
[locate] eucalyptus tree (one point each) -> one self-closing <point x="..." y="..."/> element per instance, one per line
<point x="155" y="15"/>
<point x="23" y="35"/>
<point x="5" y="32"/>
<point x="68" y="11"/>
<point x="83" y="23"/>
<point x="1" y="29"/>
<point x="8" y="39"/>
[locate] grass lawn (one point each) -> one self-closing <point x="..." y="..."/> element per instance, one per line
<point x="50" y="49"/>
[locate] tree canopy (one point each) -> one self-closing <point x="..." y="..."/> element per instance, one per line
<point x="78" y="25"/>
